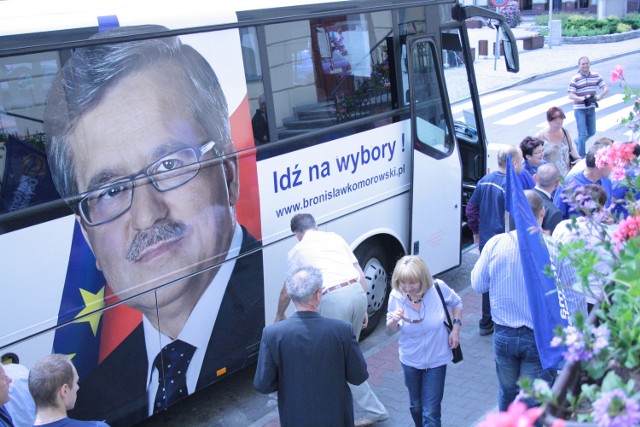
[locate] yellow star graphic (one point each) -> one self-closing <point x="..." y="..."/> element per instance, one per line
<point x="92" y="302"/>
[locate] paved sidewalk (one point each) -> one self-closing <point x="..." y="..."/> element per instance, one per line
<point x="471" y="388"/>
<point x="539" y="63"/>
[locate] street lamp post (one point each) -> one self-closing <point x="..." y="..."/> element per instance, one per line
<point x="549" y="24"/>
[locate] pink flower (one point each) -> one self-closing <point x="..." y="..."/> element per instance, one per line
<point x="516" y="416"/>
<point x="627" y="229"/>
<point x="617" y="73"/>
<point x="618" y="156"/>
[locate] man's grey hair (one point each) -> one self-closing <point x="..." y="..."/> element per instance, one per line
<point x="303" y="283"/>
<point x="502" y="155"/>
<point x="535" y="201"/>
<point x="47" y="377"/>
<point x="548" y="174"/>
<point x="302" y="222"/>
<point x="91" y="71"/>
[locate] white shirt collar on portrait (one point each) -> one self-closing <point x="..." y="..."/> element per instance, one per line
<point x="197" y="330"/>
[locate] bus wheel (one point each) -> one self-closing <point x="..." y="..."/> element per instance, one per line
<point x="373" y="260"/>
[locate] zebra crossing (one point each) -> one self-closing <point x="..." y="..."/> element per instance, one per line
<point x="524" y="110"/>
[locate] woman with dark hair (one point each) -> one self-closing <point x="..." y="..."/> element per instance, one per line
<point x="533" y="154"/>
<point x="558" y="146"/>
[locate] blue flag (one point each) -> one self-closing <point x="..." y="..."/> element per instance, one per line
<point x="547" y="302"/>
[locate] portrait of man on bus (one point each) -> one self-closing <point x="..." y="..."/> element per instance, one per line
<point x="138" y="138"/>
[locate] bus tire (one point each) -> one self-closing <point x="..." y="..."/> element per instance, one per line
<point x="374" y="262"/>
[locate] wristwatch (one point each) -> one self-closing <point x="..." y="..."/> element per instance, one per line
<point x="457" y="321"/>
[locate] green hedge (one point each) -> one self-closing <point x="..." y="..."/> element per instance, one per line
<point x="588" y="25"/>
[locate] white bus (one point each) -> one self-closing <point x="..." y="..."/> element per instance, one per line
<point x="153" y="154"/>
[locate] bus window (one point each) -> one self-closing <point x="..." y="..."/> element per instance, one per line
<point x="25" y="180"/>
<point x="255" y="85"/>
<point x="462" y="107"/>
<point x="412" y="21"/>
<point x="250" y="54"/>
<point x="431" y="125"/>
<point x="329" y="70"/>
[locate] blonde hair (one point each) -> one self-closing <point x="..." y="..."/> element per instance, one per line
<point x="412" y="269"/>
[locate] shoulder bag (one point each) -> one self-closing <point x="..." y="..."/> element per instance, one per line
<point x="572" y="160"/>
<point x="457" y="352"/>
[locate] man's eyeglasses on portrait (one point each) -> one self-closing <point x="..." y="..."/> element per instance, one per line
<point x="168" y="173"/>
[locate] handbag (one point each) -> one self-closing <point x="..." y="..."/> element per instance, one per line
<point x="457" y="352"/>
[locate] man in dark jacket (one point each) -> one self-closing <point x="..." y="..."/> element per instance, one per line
<point x="306" y="353"/>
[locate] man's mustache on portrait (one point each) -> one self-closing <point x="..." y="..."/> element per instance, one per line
<point x="162" y="230"/>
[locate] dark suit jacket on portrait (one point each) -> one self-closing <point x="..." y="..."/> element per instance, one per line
<point x="116" y="391"/>
<point x="308" y="360"/>
<point x="552" y="215"/>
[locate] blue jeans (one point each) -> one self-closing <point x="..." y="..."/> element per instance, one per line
<point x="516" y="356"/>
<point x="426" y="388"/>
<point x="586" y="123"/>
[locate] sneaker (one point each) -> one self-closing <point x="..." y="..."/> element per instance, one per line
<point x="365" y="421"/>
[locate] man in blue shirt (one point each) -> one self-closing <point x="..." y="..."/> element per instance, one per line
<point x="591" y="175"/>
<point x="485" y="215"/>
<point x="53" y="383"/>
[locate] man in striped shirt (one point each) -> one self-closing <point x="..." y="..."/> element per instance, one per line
<point x="499" y="271"/>
<point x="583" y="90"/>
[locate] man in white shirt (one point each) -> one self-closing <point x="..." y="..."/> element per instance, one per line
<point x="344" y="292"/>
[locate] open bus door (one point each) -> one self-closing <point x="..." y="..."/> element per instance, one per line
<point x="437" y="175"/>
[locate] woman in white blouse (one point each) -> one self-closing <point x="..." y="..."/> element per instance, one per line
<point x="416" y="310"/>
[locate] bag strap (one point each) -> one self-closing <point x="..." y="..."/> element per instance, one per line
<point x="569" y="143"/>
<point x="444" y="304"/>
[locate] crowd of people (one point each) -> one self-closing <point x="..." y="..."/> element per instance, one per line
<point x="573" y="198"/>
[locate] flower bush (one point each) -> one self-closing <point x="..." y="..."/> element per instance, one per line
<point x="574" y="25"/>
<point x="511" y="12"/>
<point x="630" y="95"/>
<point x="605" y="348"/>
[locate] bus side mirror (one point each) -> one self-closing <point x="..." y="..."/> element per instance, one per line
<point x="512" y="60"/>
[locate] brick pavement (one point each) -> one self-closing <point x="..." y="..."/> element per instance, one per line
<point x="471" y="388"/>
